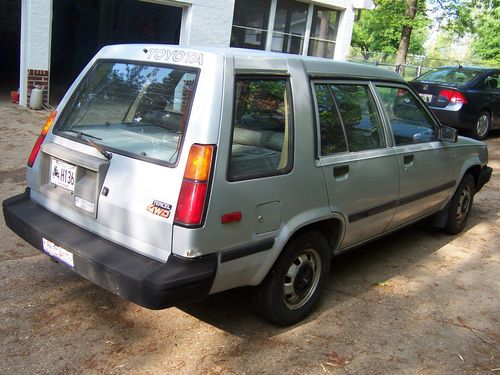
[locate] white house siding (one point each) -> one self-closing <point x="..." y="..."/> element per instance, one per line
<point x="36" y="18"/>
<point x="208" y="23"/>
<point x="204" y="23"/>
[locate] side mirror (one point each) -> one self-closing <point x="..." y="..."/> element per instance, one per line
<point x="447" y="134"/>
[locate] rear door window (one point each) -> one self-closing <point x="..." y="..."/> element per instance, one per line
<point x="348" y="118"/>
<point x="135" y="109"/>
<point x="262" y="137"/>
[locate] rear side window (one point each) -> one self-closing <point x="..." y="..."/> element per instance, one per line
<point x="409" y="121"/>
<point x="261" y="136"/>
<point x="348" y="117"/>
<point x="135" y="109"/>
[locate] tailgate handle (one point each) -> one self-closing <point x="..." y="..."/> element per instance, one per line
<point x="340" y="171"/>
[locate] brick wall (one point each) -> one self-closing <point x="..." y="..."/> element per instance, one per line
<point x="36" y="79"/>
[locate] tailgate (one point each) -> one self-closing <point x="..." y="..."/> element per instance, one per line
<point x="125" y="200"/>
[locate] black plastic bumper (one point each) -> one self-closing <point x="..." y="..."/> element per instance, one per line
<point x="142" y="280"/>
<point x="484" y="177"/>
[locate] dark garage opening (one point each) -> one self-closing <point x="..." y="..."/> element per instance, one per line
<point x="81" y="28"/>
<point x="10" y="38"/>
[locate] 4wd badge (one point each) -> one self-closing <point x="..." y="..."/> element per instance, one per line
<point x="160" y="208"/>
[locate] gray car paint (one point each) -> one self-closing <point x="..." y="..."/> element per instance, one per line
<point x="273" y="208"/>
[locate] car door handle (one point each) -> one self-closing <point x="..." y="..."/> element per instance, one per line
<point x="408" y="159"/>
<point x="340" y="171"/>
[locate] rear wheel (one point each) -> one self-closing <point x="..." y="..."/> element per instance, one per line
<point x="293" y="287"/>
<point x="460" y="206"/>
<point x="482" y="126"/>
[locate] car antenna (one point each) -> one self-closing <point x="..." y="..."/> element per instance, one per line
<point x="459" y="65"/>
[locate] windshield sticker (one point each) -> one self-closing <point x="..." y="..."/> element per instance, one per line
<point x="160" y="54"/>
<point x="160" y="208"/>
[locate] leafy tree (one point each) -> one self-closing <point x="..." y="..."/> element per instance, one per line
<point x="380" y="30"/>
<point x="401" y="26"/>
<point x="486" y="42"/>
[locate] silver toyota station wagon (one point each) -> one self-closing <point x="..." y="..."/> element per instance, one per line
<point x="167" y="174"/>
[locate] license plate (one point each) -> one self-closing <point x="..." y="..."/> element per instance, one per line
<point x="58" y="252"/>
<point x="62" y="174"/>
<point x="426" y="97"/>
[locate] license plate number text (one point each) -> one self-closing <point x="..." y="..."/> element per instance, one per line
<point x="62" y="174"/>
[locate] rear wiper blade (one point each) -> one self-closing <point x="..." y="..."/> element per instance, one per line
<point x="131" y="123"/>
<point x="80" y="134"/>
<point x="108" y="155"/>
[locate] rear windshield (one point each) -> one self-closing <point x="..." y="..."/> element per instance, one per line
<point x="452" y="76"/>
<point x="134" y="109"/>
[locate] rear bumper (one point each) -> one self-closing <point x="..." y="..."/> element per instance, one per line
<point x="142" y="280"/>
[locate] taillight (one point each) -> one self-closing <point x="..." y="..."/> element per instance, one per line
<point x="453" y="96"/>
<point x="192" y="197"/>
<point x="41" y="137"/>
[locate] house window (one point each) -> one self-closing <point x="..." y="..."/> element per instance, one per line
<point x="285" y="26"/>
<point x="250" y="24"/>
<point x="289" y="26"/>
<point x="323" y="32"/>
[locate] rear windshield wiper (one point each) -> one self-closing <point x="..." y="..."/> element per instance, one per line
<point x="133" y="123"/>
<point x="80" y="134"/>
<point x="108" y="155"/>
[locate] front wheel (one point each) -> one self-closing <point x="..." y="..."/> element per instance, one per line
<point x="460" y="205"/>
<point x="482" y="126"/>
<point x="293" y="286"/>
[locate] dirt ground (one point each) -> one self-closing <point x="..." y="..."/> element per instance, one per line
<point x="417" y="302"/>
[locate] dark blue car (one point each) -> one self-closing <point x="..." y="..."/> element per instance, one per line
<point x="466" y="98"/>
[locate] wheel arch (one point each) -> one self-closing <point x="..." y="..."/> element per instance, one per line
<point x="475" y="171"/>
<point x="332" y="227"/>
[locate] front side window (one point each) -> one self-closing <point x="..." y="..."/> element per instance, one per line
<point x="409" y="121"/>
<point x="261" y="136"/>
<point x="136" y="109"/>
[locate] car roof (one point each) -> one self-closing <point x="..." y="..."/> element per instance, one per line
<point x="468" y="67"/>
<point x="248" y="59"/>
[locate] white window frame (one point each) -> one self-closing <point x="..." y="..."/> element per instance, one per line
<point x="307" y="33"/>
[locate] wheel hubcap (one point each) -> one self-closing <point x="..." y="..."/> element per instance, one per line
<point x="464" y="204"/>
<point x="482" y="125"/>
<point x="301" y="279"/>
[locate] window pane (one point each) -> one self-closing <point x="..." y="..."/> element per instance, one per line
<point x="320" y="48"/>
<point x="260" y="129"/>
<point x="410" y="123"/>
<point x="362" y="123"/>
<point x="323" y="32"/>
<point x="331" y="133"/>
<point x="250" y="23"/>
<point x="248" y="38"/>
<point x="325" y="23"/>
<point x="289" y="26"/>
<point x="287" y="43"/>
<point x="137" y="109"/>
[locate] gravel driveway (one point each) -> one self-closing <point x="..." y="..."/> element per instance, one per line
<point x="417" y="302"/>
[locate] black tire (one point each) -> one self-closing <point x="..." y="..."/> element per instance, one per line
<point x="482" y="126"/>
<point x="293" y="286"/>
<point x="460" y="205"/>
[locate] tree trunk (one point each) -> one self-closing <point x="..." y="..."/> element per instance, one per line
<point x="404" y="43"/>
